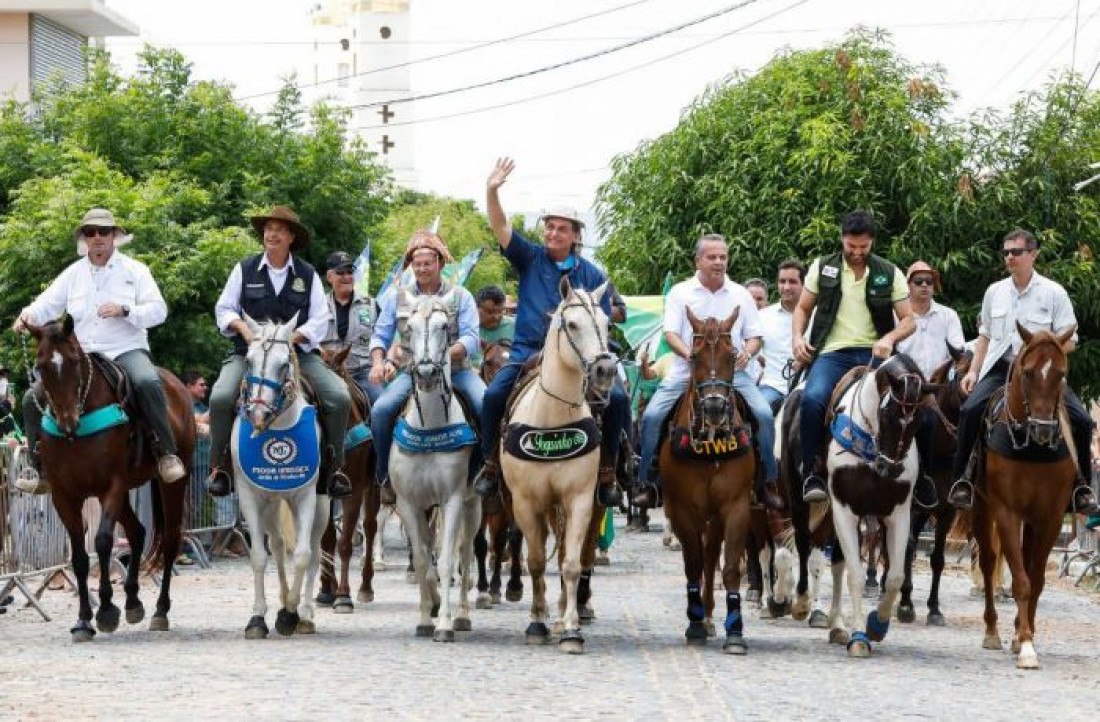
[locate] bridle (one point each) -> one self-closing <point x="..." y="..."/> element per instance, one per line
<point x="438" y="365"/>
<point x="890" y="465"/>
<point x="286" y="390"/>
<point x="83" y="382"/>
<point x="1028" y="424"/>
<point x="586" y="364"/>
<point x="713" y="388"/>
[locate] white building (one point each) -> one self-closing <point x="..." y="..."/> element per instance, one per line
<point x="353" y="39"/>
<point x="42" y="38"/>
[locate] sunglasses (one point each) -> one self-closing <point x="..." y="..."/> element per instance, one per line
<point x="922" y="281"/>
<point x="93" y="231"/>
<point x="1014" y="252"/>
<point x="343" y="271"/>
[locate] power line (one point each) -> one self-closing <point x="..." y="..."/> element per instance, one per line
<point x="452" y="53"/>
<point x="558" y="66"/>
<point x="587" y="83"/>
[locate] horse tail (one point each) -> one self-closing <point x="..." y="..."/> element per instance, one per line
<point x="152" y="561"/>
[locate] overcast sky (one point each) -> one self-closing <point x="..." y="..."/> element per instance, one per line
<point x="991" y="49"/>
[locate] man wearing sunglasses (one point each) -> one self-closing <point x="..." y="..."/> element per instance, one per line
<point x="352" y="321"/>
<point x="1037" y="303"/>
<point x="113" y="301"/>
<point x="937" y="327"/>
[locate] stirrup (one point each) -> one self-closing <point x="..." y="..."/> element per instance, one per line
<point x="338" y="485"/>
<point x="924" y="481"/>
<point x="488" y="479"/>
<point x="1084" y="500"/>
<point x="218" y="482"/>
<point x="814" y="490"/>
<point x="30" y="481"/>
<point x="961" y="495"/>
<point x="646" y="496"/>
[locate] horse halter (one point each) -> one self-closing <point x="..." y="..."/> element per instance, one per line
<point x="1029" y="425"/>
<point x="285" y="390"/>
<point x="83" y="383"/>
<point x="887" y="465"/>
<point x="712" y="389"/>
<point x="437" y="365"/>
<point x="586" y="364"/>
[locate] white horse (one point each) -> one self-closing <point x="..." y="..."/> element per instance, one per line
<point x="273" y="406"/>
<point x="424" y="479"/>
<point x="555" y="411"/>
<point x="874" y="477"/>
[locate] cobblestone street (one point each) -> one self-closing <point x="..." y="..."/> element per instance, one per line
<point x="635" y="666"/>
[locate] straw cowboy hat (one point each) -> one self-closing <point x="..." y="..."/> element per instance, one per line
<point x="287" y="216"/>
<point x="99" y="218"/>
<point x="922" y="267"/>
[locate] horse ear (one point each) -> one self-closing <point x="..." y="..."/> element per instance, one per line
<point x="930" y="389"/>
<point x="287" y="328"/>
<point x="341" y="356"/>
<point x="727" y="325"/>
<point x="597" y="295"/>
<point x="404" y="298"/>
<point x="696" y="324"/>
<point x="564" y="288"/>
<point x="1025" y="335"/>
<point x="67" y="326"/>
<point x="252" y="325"/>
<point x="1067" y="335"/>
<point x="954" y="352"/>
<point x="449" y="296"/>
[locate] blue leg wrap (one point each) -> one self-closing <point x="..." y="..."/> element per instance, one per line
<point x="858" y="637"/>
<point x="734" y="622"/>
<point x="876" y="628"/>
<point x="695" y="611"/>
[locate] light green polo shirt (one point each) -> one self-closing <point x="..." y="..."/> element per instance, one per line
<point x="853" y="327"/>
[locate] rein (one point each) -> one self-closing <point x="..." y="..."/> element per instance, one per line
<point x="908" y="413"/>
<point x="83" y="383"/>
<point x="699" y="394"/>
<point x="1028" y="424"/>
<point x="586" y="365"/>
<point x="286" y="392"/>
<point x="447" y="392"/>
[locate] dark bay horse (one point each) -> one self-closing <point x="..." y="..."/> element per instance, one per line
<point x="1025" y="492"/>
<point x="107" y="465"/>
<point x="364" y="498"/>
<point x="707" y="467"/>
<point x="949" y="398"/>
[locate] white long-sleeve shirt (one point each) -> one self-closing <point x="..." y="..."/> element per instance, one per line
<point x="228" y="308"/>
<point x="83" y="287"/>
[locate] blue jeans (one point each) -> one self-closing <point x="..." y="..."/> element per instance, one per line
<point x="665" y="397"/>
<point x="388" y="406"/>
<point x="362" y="380"/>
<point x="774" y="397"/>
<point x="824" y="374"/>
<point x="616" y="418"/>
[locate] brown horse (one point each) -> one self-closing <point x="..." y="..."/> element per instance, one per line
<point x="1026" y="499"/>
<point x="107" y="465"/>
<point x="498" y="523"/>
<point x="359" y="466"/>
<point x="707" y="496"/>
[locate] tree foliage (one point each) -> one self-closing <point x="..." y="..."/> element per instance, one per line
<point x="774" y="160"/>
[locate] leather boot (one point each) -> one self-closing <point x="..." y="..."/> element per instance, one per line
<point x="607" y="490"/>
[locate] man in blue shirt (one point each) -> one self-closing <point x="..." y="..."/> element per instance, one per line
<point x="426" y="253"/>
<point x="540" y="268"/>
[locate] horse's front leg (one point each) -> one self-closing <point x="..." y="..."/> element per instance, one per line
<point x="449" y="527"/>
<point x="68" y="509"/>
<point x="736" y="528"/>
<point x="416" y="526"/>
<point x="257" y="557"/>
<point x="847" y="532"/>
<point x="370" y="533"/>
<point x="897" y="537"/>
<point x="350" y="508"/>
<point x="481" y="553"/>
<point x="108" y="615"/>
<point x="712" y="553"/>
<point x="533" y="525"/>
<point x="578" y="515"/>
<point x="816" y="568"/>
<point x="471" y="515"/>
<point x="944" y="519"/>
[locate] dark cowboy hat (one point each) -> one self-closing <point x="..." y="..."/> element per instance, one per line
<point x="287" y="216"/>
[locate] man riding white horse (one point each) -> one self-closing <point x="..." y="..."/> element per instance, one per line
<point x="709" y="294"/>
<point x="113" y="301"/>
<point x="278" y="285"/>
<point x="426" y="254"/>
<point x="856" y="295"/>
<point x="540" y="269"/>
<point x="1037" y="303"/>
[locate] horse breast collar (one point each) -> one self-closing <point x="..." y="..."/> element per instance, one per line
<point x="553" y="444"/>
<point x="280" y="459"/>
<point x="1001" y="435"/>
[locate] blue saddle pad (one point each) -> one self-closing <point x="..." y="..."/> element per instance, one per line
<point x="445" y="438"/>
<point x="101" y="419"/>
<point x="852" y="438"/>
<point x="281" y="459"/>
<point x="356" y="435"/>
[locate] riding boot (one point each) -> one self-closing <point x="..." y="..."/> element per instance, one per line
<point x="488" y="480"/>
<point x="647" y="495"/>
<point x="607" y="489"/>
<point x="333" y="480"/>
<point x="339" y="485"/>
<point x="961" y="495"/>
<point x="814" y="488"/>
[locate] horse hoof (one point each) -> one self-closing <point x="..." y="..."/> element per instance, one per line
<point x="735" y="644"/>
<point x="514" y="593"/>
<point x="776" y="609"/>
<point x="935" y="619"/>
<point x="484" y="601"/>
<point x="366" y="596"/>
<point x="135" y="614"/>
<point x="800" y="609"/>
<point x="343" y="605"/>
<point x="83" y="631"/>
<point x="571" y="642"/>
<point x="992" y="641"/>
<point x="675" y="546"/>
<point x="106" y="619"/>
<point x="425" y="630"/>
<point x="462" y="624"/>
<point x="306" y="626"/>
<point x="256" y="628"/>
<point x="906" y="614"/>
<point x="1028" y="659"/>
<point x="286" y="622"/>
<point x="712" y="631"/>
<point x="1015" y="646"/>
<point x="494" y="598"/>
<point x="379" y="565"/>
<point x="443" y="635"/>
<point x="586" y="613"/>
<point x="159" y="623"/>
<point x="325" y="599"/>
<point x="537" y="633"/>
<point x="696" y="634"/>
<point x="859" y="648"/>
<point x="838" y="636"/>
<point x="877" y="629"/>
<point x="752" y="596"/>
<point x="819" y="620"/>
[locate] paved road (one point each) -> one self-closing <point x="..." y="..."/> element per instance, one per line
<point x="635" y="666"/>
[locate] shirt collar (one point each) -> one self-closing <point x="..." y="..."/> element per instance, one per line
<point x="696" y="284"/>
<point x="289" y="264"/>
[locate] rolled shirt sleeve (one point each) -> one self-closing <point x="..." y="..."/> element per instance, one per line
<point x="228" y="308"/>
<point x="1063" y="315"/>
<point x="386" y="323"/>
<point x="899" y="290"/>
<point x="315" y="326"/>
<point x="469" y="325"/>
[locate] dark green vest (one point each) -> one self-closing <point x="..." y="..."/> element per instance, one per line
<point x="880" y="285"/>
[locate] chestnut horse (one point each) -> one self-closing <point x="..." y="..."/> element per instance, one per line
<point x="707" y="496"/>
<point x="106" y="465"/>
<point x="359" y="467"/>
<point x="1024" y="498"/>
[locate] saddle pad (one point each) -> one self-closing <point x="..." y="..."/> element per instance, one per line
<point x="554" y="444"/>
<point x="853" y="438"/>
<point x="101" y="419"/>
<point x="445" y="438"/>
<point x="699" y="448"/>
<point x="280" y="459"/>
<point x="356" y="435"/>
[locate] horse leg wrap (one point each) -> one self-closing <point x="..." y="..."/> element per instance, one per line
<point x="584" y="588"/>
<point x="695" y="611"/>
<point x="857" y="638"/>
<point x="734" y="623"/>
<point x="877" y="628"/>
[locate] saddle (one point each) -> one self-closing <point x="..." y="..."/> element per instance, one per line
<point x="1000" y="438"/>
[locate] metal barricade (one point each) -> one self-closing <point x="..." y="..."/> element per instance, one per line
<point x="215" y="517"/>
<point x="1083" y="550"/>
<point x="33" y="541"/>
